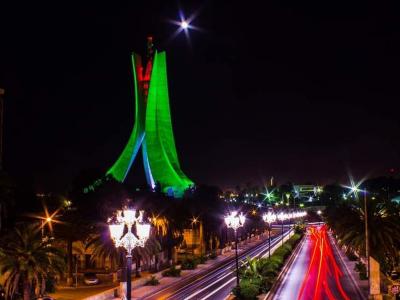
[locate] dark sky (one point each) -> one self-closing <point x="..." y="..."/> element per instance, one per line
<point x="301" y="91"/>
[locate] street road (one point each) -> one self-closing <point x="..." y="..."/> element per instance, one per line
<point x="317" y="272"/>
<point x="217" y="283"/>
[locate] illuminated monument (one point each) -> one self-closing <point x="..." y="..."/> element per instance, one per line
<point x="153" y="128"/>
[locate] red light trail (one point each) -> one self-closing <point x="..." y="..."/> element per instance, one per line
<point x="321" y="269"/>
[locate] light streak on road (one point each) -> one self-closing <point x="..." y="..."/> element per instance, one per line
<point x="214" y="284"/>
<point x="322" y="268"/>
<point x="216" y="290"/>
<point x="212" y="287"/>
<point x="317" y="272"/>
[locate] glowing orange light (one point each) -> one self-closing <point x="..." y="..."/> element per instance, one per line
<point x="47" y="218"/>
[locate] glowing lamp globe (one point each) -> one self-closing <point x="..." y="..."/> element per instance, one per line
<point x="184" y="25"/>
<point x="281" y="216"/>
<point x="143" y="231"/>
<point x="233" y="220"/>
<point x="129" y="216"/>
<point x="229" y="219"/>
<point x="269" y="217"/>
<point x="116" y="231"/>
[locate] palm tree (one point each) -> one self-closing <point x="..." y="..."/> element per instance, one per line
<point x="252" y="268"/>
<point x="73" y="228"/>
<point x="207" y="207"/>
<point x="27" y="261"/>
<point x="151" y="248"/>
<point x="347" y="219"/>
<point x="104" y="248"/>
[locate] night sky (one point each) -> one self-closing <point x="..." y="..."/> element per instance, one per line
<point x="301" y="91"/>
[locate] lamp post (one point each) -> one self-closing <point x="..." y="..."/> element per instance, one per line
<point x="234" y="221"/>
<point x="194" y="236"/>
<point x="129" y="241"/>
<point x="355" y="190"/>
<point x="282" y="217"/>
<point x="45" y="221"/>
<point x="269" y="218"/>
<point x="366" y="236"/>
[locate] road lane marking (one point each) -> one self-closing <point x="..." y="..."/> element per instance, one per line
<point x="220" y="278"/>
<point x="207" y="286"/>
<point x="228" y="267"/>
<point x="222" y="286"/>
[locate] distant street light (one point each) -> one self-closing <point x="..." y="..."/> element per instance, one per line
<point x="129" y="241"/>
<point x="46" y="219"/>
<point x="282" y="217"/>
<point x="269" y="218"/>
<point x="194" y="221"/>
<point x="235" y="221"/>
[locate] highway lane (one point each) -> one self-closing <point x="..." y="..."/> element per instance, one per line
<point x="317" y="272"/>
<point x="293" y="279"/>
<point x="217" y="283"/>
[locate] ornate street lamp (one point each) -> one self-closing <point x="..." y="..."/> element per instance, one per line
<point x="269" y="218"/>
<point x="234" y="221"/>
<point x="282" y="217"/>
<point x="129" y="241"/>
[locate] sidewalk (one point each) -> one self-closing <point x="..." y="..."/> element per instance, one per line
<point x="349" y="265"/>
<point x="79" y="293"/>
<point x="86" y="291"/>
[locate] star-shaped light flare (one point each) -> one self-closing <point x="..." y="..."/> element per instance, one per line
<point x="268" y="195"/>
<point x="184" y="24"/>
<point x="47" y="218"/>
<point x="354" y="187"/>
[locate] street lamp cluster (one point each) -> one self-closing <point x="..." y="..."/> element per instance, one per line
<point x="271" y="217"/>
<point x="235" y="221"/>
<point x="129" y="241"/>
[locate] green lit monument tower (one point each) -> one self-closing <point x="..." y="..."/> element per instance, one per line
<point x="153" y="128"/>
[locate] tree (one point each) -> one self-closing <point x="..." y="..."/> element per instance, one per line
<point x="104" y="247"/>
<point x="206" y="205"/>
<point x="26" y="261"/>
<point x="88" y="208"/>
<point x="347" y="219"/>
<point x="74" y="227"/>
